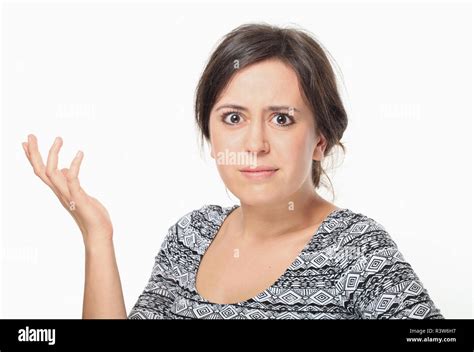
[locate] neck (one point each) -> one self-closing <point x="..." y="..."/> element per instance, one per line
<point x="298" y="212"/>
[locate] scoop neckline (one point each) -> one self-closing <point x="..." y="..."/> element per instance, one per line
<point x="225" y="212"/>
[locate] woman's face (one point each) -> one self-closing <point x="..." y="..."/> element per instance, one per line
<point x="254" y="134"/>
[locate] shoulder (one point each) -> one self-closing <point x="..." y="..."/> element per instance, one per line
<point x="350" y="240"/>
<point x="376" y="278"/>
<point x="197" y="224"/>
<point x="357" y="231"/>
<point x="211" y="214"/>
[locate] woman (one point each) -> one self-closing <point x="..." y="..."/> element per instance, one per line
<point x="268" y="105"/>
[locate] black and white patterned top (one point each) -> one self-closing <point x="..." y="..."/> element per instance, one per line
<point x="350" y="269"/>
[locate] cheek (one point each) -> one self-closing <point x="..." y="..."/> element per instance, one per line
<point x="216" y="138"/>
<point x="295" y="152"/>
<point x="221" y="144"/>
<point x="221" y="139"/>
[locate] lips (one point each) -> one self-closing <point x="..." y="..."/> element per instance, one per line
<point x="259" y="174"/>
<point x="259" y="169"/>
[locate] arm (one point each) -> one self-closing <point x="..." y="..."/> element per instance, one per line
<point x="103" y="297"/>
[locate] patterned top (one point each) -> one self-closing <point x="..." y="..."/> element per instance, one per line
<point x="350" y="269"/>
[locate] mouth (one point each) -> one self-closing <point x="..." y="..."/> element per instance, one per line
<point x="259" y="173"/>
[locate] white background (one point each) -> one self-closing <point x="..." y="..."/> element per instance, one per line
<point x="117" y="81"/>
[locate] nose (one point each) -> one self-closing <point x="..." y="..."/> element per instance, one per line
<point x="255" y="139"/>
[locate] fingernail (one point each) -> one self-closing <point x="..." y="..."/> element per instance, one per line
<point x="78" y="154"/>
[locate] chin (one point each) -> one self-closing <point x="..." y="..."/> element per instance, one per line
<point x="259" y="195"/>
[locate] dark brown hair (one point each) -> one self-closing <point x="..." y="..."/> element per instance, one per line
<point x="254" y="42"/>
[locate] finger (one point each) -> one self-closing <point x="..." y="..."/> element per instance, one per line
<point x="52" y="163"/>
<point x="55" y="176"/>
<point x="36" y="160"/>
<point x="76" y="164"/>
<point x="25" y="148"/>
<point x="73" y="183"/>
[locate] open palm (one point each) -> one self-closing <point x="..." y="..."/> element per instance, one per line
<point x="90" y="215"/>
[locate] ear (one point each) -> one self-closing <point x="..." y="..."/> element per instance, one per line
<point x="320" y="147"/>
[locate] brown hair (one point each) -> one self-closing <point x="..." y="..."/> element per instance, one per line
<point x="254" y="42"/>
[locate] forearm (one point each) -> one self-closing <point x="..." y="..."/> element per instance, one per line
<point x="103" y="296"/>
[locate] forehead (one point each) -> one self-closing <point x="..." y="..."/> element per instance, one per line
<point x="263" y="83"/>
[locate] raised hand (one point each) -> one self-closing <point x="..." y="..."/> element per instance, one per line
<point x="90" y="215"/>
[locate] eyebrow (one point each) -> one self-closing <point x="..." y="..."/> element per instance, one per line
<point x="268" y="108"/>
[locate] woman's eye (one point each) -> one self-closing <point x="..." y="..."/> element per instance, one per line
<point x="234" y="118"/>
<point x="283" y="120"/>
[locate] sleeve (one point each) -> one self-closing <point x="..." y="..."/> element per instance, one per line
<point x="159" y="294"/>
<point x="386" y="285"/>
